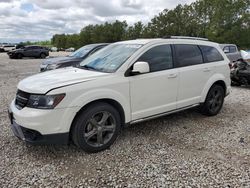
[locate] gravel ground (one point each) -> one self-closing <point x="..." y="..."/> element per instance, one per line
<point x="180" y="150"/>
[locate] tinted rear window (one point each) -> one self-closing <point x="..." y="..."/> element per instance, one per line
<point x="211" y="54"/>
<point x="188" y="54"/>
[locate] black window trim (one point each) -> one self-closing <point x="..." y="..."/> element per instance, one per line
<point x="127" y="72"/>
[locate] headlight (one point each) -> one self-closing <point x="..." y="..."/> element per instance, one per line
<point x="52" y="66"/>
<point x="45" y="101"/>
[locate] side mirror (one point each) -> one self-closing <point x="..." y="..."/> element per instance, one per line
<point x="226" y="50"/>
<point x="140" y="67"/>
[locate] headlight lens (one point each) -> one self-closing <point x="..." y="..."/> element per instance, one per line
<point x="52" y="66"/>
<point x="45" y="101"/>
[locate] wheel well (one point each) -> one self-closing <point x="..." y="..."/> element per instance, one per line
<point x="221" y="83"/>
<point x="112" y="102"/>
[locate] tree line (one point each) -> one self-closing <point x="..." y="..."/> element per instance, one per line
<point x="222" y="21"/>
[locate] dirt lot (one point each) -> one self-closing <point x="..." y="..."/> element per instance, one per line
<point x="180" y="150"/>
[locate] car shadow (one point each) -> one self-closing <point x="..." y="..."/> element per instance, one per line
<point x="242" y="87"/>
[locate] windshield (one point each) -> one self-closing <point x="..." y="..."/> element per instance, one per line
<point x="109" y="59"/>
<point x="81" y="52"/>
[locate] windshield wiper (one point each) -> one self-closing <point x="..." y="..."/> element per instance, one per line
<point x="89" y="67"/>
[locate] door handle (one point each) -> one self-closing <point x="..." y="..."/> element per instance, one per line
<point x="172" y="75"/>
<point x="206" y="70"/>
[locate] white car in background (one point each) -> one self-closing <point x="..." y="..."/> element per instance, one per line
<point x="7" y="47"/>
<point x="54" y="49"/>
<point x="124" y="83"/>
<point x="70" y="49"/>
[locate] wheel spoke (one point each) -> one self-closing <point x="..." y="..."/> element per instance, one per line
<point x="109" y="128"/>
<point x="105" y="116"/>
<point x="99" y="137"/>
<point x="210" y="103"/>
<point x="93" y="122"/>
<point x="90" y="134"/>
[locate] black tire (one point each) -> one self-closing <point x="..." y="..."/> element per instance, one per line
<point x="214" y="101"/>
<point x="96" y="128"/>
<point x="19" y="56"/>
<point x="42" y="55"/>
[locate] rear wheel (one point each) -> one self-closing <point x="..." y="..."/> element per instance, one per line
<point x="97" y="127"/>
<point x="214" y="101"/>
<point x="42" y="55"/>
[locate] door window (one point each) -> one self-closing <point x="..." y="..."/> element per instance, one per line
<point x="211" y="54"/>
<point x="159" y="58"/>
<point x="188" y="54"/>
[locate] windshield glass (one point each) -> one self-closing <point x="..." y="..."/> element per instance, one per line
<point x="109" y="59"/>
<point x="81" y="52"/>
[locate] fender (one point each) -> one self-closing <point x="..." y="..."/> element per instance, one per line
<point x="216" y="77"/>
<point x="102" y="93"/>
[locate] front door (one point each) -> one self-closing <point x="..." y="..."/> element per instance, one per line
<point x="154" y="92"/>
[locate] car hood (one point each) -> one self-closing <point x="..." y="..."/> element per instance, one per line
<point x="58" y="60"/>
<point x="43" y="82"/>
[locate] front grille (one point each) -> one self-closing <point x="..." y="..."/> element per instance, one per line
<point x="21" y="99"/>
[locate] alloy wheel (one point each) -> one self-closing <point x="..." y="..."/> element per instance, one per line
<point x="215" y="100"/>
<point x="99" y="129"/>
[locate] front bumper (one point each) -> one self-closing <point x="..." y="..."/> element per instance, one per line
<point x="41" y="126"/>
<point x="11" y="55"/>
<point x="34" y="137"/>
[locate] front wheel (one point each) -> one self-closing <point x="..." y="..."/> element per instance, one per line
<point x="19" y="56"/>
<point x="214" y="101"/>
<point x="96" y="128"/>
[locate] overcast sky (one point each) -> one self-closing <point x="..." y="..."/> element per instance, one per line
<point x="34" y="20"/>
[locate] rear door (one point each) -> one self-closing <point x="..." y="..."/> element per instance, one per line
<point x="193" y="73"/>
<point x="36" y="51"/>
<point x="29" y="51"/>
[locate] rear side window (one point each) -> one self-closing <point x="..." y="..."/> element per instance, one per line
<point x="211" y="54"/>
<point x="232" y="49"/>
<point x="188" y="54"/>
<point x="159" y="58"/>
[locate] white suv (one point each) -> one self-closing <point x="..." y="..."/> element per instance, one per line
<point x="123" y="83"/>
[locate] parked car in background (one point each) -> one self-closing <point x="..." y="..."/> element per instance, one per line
<point x="29" y="51"/>
<point x="7" y="47"/>
<point x="73" y="59"/>
<point x="231" y="52"/>
<point x="70" y="49"/>
<point x="53" y="49"/>
<point x="124" y="83"/>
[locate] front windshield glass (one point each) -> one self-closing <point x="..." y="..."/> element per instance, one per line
<point x="110" y="58"/>
<point x="81" y="52"/>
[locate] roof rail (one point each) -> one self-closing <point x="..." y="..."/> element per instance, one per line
<point x="186" y="37"/>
